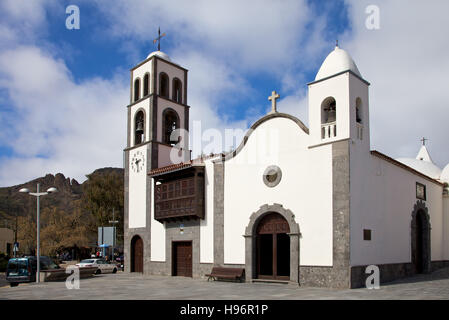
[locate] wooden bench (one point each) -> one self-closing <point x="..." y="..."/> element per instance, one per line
<point x="226" y="273"/>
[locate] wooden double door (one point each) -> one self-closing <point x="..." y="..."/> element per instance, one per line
<point x="273" y="248"/>
<point x="182" y="258"/>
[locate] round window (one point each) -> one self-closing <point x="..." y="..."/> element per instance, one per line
<point x="272" y="176"/>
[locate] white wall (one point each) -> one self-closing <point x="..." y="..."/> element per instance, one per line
<point x="157" y="234"/>
<point x="137" y="191"/>
<point x="382" y="199"/>
<point x="305" y="189"/>
<point x="446" y="227"/>
<point x="207" y="224"/>
<point x="168" y="155"/>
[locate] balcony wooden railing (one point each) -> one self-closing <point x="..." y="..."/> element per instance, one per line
<point x="180" y="198"/>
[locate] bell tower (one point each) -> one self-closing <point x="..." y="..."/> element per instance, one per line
<point x="338" y="102"/>
<point x="157" y="136"/>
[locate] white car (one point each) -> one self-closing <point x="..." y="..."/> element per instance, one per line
<point x="102" y="265"/>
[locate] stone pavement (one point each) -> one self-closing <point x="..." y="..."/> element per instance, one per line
<point x="124" y="286"/>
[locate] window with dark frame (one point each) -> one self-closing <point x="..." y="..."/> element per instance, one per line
<point x="163" y="85"/>
<point x="136" y="89"/>
<point x="420" y="191"/>
<point x="367" y="234"/>
<point x="146" y="85"/>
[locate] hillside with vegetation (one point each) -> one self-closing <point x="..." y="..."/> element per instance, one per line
<point x="69" y="218"/>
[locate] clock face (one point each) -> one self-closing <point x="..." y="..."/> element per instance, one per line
<point x="138" y="161"/>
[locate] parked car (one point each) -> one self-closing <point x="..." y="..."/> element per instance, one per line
<point x="21" y="270"/>
<point x="102" y="265"/>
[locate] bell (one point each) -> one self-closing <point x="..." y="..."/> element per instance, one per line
<point x="332" y="115"/>
<point x="139" y="128"/>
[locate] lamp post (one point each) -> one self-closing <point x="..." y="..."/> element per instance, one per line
<point x="37" y="194"/>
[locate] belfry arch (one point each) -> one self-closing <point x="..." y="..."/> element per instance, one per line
<point x="252" y="241"/>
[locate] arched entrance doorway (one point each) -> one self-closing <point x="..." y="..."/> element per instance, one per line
<point x="273" y="248"/>
<point x="136" y="254"/>
<point x="421" y="241"/>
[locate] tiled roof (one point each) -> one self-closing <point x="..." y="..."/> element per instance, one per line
<point x="182" y="165"/>
<point x="172" y="167"/>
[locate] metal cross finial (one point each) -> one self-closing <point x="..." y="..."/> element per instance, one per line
<point x="274" y="96"/>
<point x="158" y="39"/>
<point x="336" y="43"/>
<point x="423" y="140"/>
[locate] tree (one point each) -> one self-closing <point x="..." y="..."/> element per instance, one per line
<point x="26" y="234"/>
<point x="102" y="193"/>
<point x="63" y="230"/>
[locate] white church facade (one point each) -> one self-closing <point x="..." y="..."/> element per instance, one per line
<point x="312" y="206"/>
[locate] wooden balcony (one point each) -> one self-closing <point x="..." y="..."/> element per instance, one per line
<point x="179" y="194"/>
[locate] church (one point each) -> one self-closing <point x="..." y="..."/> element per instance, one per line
<point x="311" y="206"/>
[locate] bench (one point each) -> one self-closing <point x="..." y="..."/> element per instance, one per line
<point x="226" y="273"/>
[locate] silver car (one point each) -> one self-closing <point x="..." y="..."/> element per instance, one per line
<point x="102" y="265"/>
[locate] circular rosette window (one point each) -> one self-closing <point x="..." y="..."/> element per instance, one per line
<point x="272" y="176"/>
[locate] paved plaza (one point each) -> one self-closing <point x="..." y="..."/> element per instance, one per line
<point x="125" y="286"/>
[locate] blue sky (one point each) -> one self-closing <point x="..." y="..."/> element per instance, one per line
<point x="63" y="93"/>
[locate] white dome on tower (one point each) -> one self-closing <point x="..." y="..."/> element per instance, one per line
<point x="337" y="61"/>
<point x="423" y="163"/>
<point x="160" y="54"/>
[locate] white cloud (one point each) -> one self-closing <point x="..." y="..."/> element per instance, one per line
<point x="59" y="125"/>
<point x="259" y="37"/>
<point x="407" y="64"/>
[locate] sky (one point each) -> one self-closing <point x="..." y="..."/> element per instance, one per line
<point x="64" y="92"/>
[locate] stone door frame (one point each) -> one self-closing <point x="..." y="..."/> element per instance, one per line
<point x="250" y="240"/>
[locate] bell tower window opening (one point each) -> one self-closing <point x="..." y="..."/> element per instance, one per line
<point x="358" y="111"/>
<point x="163" y="85"/>
<point x="146" y="84"/>
<point x="177" y="90"/>
<point x="139" y="128"/>
<point x="328" y="118"/>
<point x="170" y="124"/>
<point x="136" y="89"/>
<point x="328" y="111"/>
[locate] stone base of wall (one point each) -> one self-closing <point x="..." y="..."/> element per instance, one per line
<point x="164" y="269"/>
<point x="390" y="272"/>
<point x="435" y="265"/>
<point x="325" y="277"/>
<point x="314" y="276"/>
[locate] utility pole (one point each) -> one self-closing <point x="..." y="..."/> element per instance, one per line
<point x="113" y="222"/>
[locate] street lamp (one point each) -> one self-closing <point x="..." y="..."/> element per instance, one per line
<point x="37" y="195"/>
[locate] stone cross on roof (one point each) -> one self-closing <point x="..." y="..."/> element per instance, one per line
<point x="274" y="96"/>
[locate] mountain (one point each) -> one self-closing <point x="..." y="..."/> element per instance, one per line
<point x="13" y="202"/>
